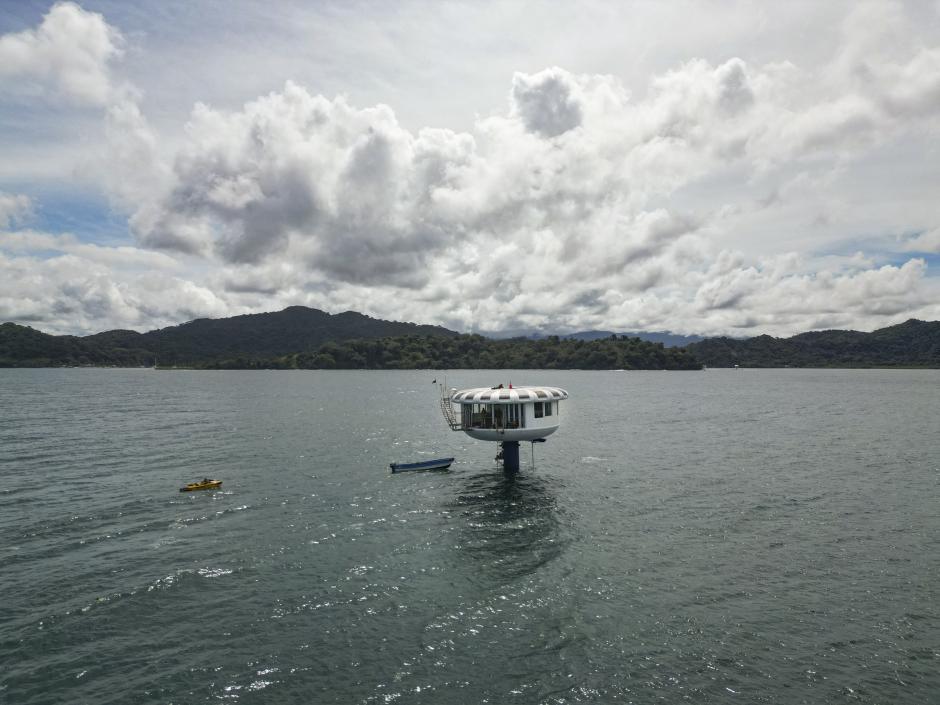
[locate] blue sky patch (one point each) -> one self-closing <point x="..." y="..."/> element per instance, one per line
<point x="87" y="216"/>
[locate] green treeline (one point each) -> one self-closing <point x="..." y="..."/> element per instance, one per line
<point x="476" y="352"/>
<point x="910" y="344"/>
<point x="301" y="338"/>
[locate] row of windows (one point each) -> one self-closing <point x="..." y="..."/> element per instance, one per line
<point x="502" y="415"/>
<point x="492" y="416"/>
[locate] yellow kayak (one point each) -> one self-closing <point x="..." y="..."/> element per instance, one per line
<point x="206" y="484"/>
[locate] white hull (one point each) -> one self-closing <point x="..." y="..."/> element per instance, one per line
<point x="510" y="434"/>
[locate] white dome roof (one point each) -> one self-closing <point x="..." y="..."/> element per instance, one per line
<point x="507" y="395"/>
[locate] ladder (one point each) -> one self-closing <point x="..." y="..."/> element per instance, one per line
<point x="447" y="409"/>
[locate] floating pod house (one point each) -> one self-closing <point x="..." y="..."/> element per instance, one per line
<point x="506" y="415"/>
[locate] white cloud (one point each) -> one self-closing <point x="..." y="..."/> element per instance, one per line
<point x="710" y="202"/>
<point x="14" y="207"/>
<point x="928" y="241"/>
<point x="780" y="292"/>
<point x="69" y="53"/>
<point x="62" y="286"/>
<point x="548" y="102"/>
<point x="132" y="166"/>
<point x="32" y="242"/>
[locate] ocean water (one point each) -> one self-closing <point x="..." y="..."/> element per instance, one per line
<point x="705" y="537"/>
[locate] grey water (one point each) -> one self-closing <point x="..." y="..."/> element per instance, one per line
<point x="706" y="537"/>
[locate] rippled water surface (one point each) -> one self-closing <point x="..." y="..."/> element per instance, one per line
<point x="729" y="536"/>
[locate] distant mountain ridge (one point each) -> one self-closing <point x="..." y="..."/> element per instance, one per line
<point x="669" y="340"/>
<point x="305" y="337"/>
<point x="913" y="343"/>
<point x="256" y="335"/>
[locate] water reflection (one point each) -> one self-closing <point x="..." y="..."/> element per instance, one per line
<point x="509" y="523"/>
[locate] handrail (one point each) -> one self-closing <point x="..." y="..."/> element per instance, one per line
<point x="447" y="409"/>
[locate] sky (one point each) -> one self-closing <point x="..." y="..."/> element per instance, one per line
<point x="713" y="168"/>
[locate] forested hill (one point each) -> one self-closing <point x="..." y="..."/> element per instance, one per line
<point x="254" y="336"/>
<point x="670" y="340"/>
<point x="910" y="344"/>
<point x="477" y="352"/>
<point x="306" y="338"/>
<point x="300" y="338"/>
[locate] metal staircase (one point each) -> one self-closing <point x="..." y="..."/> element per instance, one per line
<point x="447" y="409"/>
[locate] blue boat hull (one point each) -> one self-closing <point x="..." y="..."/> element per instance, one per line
<point x="439" y="464"/>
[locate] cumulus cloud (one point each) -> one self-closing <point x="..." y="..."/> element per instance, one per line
<point x="578" y="205"/>
<point x="14" y="207"/>
<point x="61" y="285"/>
<point x="344" y="186"/>
<point x="132" y="166"/>
<point x="928" y="241"/>
<point x="69" y="54"/>
<point x="356" y="194"/>
<point x="547" y="102"/>
<point x="540" y="216"/>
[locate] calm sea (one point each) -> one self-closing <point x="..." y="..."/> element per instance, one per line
<point x="706" y="537"/>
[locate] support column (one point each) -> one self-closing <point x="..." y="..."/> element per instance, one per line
<point x="510" y="456"/>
